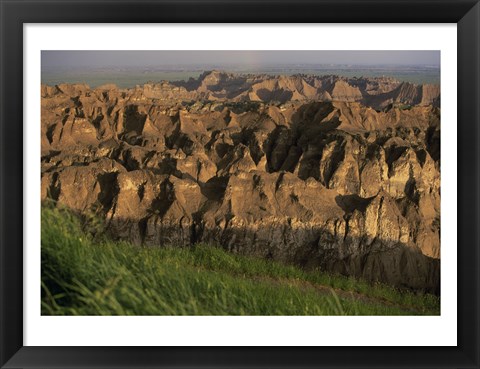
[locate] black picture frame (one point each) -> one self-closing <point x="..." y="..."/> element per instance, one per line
<point x="14" y="13"/>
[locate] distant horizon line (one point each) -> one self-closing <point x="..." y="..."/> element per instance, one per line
<point x="235" y="65"/>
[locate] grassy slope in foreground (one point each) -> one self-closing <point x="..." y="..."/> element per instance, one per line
<point x="83" y="276"/>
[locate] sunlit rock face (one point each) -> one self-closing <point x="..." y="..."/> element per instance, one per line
<point x="325" y="172"/>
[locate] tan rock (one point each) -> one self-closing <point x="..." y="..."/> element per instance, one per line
<point x="341" y="174"/>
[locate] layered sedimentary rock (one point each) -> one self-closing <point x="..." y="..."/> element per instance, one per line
<point x="378" y="93"/>
<point x="331" y="173"/>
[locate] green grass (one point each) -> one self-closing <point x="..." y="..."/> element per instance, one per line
<point x="83" y="275"/>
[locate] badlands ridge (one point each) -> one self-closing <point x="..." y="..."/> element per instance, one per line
<point x="341" y="174"/>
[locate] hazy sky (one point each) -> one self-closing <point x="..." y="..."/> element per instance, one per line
<point x="82" y="58"/>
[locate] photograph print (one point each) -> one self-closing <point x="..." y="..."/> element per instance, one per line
<point x="240" y="182"/>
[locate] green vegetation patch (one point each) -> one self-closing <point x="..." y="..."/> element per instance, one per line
<point x="83" y="275"/>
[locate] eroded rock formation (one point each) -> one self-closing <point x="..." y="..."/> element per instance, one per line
<point x="326" y="172"/>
